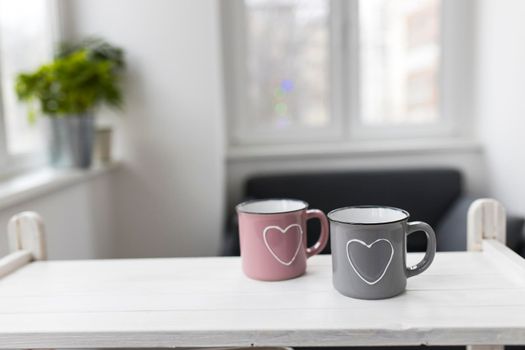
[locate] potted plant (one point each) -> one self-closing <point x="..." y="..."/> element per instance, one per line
<point x="81" y="78"/>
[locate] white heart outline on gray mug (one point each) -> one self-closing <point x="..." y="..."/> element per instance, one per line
<point x="265" y="231"/>
<point x="369" y="246"/>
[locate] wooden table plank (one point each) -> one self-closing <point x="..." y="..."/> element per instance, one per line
<point x="464" y="298"/>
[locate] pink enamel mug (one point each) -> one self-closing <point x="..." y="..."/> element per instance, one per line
<point x="272" y="235"/>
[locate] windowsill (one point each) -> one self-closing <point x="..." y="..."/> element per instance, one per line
<point x="352" y="149"/>
<point x="17" y="189"/>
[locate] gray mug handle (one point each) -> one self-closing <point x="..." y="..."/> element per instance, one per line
<point x="431" y="247"/>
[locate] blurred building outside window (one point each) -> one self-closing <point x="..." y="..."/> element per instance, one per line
<point x="305" y="69"/>
<point x="27" y="37"/>
<point x="400" y="61"/>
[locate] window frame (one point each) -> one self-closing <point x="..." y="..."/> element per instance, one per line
<point x="455" y="84"/>
<point x="13" y="164"/>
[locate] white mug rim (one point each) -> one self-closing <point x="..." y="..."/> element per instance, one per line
<point x="240" y="209"/>
<point x="406" y="214"/>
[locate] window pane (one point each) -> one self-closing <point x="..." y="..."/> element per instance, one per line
<point x="25" y="43"/>
<point x="287" y="44"/>
<point x="400" y="61"/>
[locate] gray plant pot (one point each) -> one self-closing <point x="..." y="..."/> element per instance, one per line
<point x="71" y="141"/>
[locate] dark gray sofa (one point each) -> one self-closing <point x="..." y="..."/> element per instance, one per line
<point x="436" y="196"/>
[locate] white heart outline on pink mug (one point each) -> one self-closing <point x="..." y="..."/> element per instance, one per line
<point x="265" y="231"/>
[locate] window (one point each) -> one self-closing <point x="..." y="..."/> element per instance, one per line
<point x="306" y="70"/>
<point x="27" y="33"/>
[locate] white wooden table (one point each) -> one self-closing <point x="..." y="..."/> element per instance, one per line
<point x="475" y="297"/>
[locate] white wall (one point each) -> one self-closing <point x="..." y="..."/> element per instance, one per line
<point x="500" y="72"/>
<point x="170" y="191"/>
<point x="78" y="219"/>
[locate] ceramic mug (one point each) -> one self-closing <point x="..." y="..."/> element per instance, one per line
<point x="369" y="250"/>
<point x="272" y="235"/>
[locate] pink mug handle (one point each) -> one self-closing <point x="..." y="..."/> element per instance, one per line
<point x="323" y="237"/>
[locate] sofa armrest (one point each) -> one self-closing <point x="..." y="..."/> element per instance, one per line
<point x="515" y="234"/>
<point x="230" y="243"/>
<point x="451" y="230"/>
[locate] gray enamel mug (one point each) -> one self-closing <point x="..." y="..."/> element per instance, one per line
<point x="369" y="250"/>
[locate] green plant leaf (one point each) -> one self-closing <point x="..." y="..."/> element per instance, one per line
<point x="80" y="78"/>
